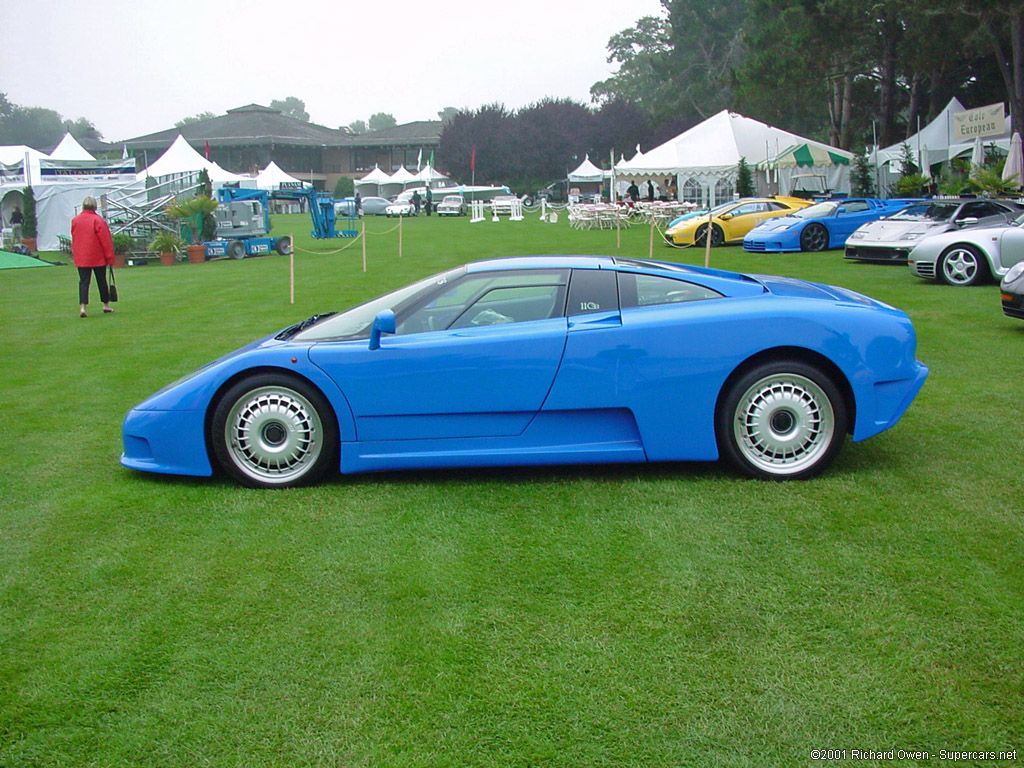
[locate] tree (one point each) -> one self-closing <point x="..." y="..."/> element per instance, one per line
<point x="446" y="114"/>
<point x="1003" y="22"/>
<point x="744" y="179"/>
<point x="291" y="107"/>
<point x="82" y="129"/>
<point x="380" y="121"/>
<point x="356" y="127"/>
<point x="194" y="119"/>
<point x="862" y="177"/>
<point x="32" y="126"/>
<point x="345" y="187"/>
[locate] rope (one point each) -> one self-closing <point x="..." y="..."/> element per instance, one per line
<point x="344" y="247"/>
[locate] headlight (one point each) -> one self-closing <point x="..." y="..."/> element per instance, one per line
<point x="858" y="235"/>
<point x="1015" y="272"/>
<point x="913" y="236"/>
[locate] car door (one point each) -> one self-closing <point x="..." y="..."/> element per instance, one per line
<point x="848" y="217"/>
<point x="475" y="360"/>
<point x="1011" y="246"/>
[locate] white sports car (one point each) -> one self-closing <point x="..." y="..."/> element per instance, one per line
<point x="890" y="239"/>
<point x="970" y="256"/>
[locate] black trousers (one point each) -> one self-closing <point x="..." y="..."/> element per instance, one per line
<point x="84" y="276"/>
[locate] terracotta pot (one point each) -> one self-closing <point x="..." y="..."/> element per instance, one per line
<point x="29" y="242"/>
<point x="167" y="259"/>
<point x="196" y="253"/>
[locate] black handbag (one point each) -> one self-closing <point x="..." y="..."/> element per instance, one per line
<point x="112" y="286"/>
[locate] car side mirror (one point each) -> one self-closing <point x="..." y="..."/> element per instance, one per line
<point x="384" y="322"/>
<point x="969" y="221"/>
<point x="725" y="216"/>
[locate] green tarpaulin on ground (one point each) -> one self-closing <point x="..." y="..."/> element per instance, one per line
<point x="10" y="260"/>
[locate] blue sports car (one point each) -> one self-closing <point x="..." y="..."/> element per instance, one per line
<point x="545" y="360"/>
<point x="822" y="226"/>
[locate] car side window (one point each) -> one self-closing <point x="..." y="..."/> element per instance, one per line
<point x="489" y="298"/>
<point x="592" y="290"/>
<point x="651" y="290"/>
<point x="977" y="210"/>
<point x="855" y="207"/>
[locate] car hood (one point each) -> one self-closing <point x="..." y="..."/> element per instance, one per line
<point x="777" y="224"/>
<point x="887" y="230"/>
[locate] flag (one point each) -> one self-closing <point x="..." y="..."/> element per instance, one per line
<point x="472" y="159"/>
<point x="207" y="150"/>
<point x="419" y="161"/>
<point x="124" y="151"/>
<point x="431" y="158"/>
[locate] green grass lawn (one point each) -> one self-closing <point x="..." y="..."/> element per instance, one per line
<point x="662" y="615"/>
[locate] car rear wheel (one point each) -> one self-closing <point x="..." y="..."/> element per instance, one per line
<point x="283" y="245"/>
<point x="236" y="249"/>
<point x="717" y="235"/>
<point x="814" y="238"/>
<point x="274" y="431"/>
<point x="781" y="421"/>
<point x="963" y="265"/>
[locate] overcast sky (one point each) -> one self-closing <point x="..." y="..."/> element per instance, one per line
<point x="134" y="67"/>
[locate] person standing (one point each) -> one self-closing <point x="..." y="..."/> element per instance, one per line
<point x="92" y="249"/>
<point x="430" y="201"/>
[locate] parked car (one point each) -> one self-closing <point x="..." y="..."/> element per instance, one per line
<point x="452" y="205"/>
<point x="1011" y="291"/>
<point x="819" y="227"/>
<point x="970" y="256"/>
<point x="730" y="222"/>
<point x="401" y="208"/>
<point x="374" y="206"/>
<point x="890" y="239"/>
<point x="345" y="207"/>
<point x="545" y="360"/>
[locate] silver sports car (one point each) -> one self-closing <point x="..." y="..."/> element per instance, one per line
<point x="969" y="256"/>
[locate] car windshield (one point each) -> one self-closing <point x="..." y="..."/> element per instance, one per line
<point x="926" y="212"/>
<point x="452" y="200"/>
<point x="355" y="323"/>
<point x="1019" y="221"/>
<point x="816" y="211"/>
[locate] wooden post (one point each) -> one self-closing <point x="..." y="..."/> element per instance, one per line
<point x="400" y="236"/>
<point x="364" y="244"/>
<point x="652" y="236"/>
<point x="707" y="239"/>
<point x="291" y="269"/>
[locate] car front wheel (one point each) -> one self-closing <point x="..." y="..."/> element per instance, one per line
<point x="781" y="421"/>
<point x="274" y="431"/>
<point x="963" y="265"/>
<point x="814" y="238"/>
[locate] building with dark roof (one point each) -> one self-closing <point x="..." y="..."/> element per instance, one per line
<point x="246" y="139"/>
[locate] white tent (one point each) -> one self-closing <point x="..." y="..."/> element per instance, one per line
<point x="272" y="176"/>
<point x="375" y="178"/>
<point x="183" y="162"/>
<point x="428" y="175"/>
<point x="704" y="158"/>
<point x="398" y="181"/>
<point x="587" y="172"/>
<point x="70" y="149"/>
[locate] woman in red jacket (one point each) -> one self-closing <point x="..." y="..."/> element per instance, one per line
<point x="92" y="249"/>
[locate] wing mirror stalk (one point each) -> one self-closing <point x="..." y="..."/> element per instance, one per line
<point x="384" y="322"/>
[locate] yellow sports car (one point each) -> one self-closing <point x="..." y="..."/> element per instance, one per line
<point x="731" y="221"/>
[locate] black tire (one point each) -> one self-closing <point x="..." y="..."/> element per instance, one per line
<point x="717" y="235"/>
<point x="236" y="249"/>
<point x="283" y="245"/>
<point x="274" y="431"/>
<point x="783" y="420"/>
<point x="963" y="264"/>
<point x="814" y="238"/>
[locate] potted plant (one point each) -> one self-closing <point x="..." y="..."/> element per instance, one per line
<point x="192" y="212"/>
<point x="167" y="244"/>
<point x="28" y="225"/>
<point x="123" y="243"/>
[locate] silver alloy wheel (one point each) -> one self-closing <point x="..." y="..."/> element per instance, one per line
<point x="273" y="435"/>
<point x="783" y="424"/>
<point x="960" y="266"/>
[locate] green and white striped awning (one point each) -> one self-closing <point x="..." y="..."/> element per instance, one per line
<point x="806" y="156"/>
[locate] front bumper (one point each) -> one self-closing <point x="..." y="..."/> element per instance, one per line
<point x="1013" y="304"/>
<point x="168" y="442"/>
<point x="881" y="254"/>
